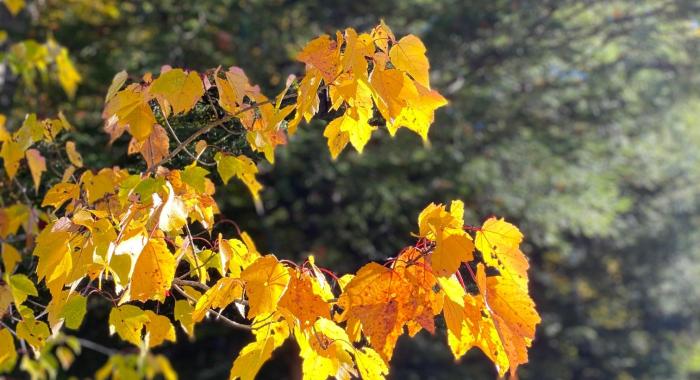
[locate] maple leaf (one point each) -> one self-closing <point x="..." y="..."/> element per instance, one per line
<point x="60" y="193"/>
<point x="375" y="297"/>
<point x="325" y="351"/>
<point x="34" y="332"/>
<point x="173" y="212"/>
<point x="233" y="89"/>
<point x="96" y="186"/>
<point x="238" y="255"/>
<point x="499" y="243"/>
<point x="12" y="153"/>
<point x="8" y="353"/>
<point x="158" y="329"/>
<point x="453" y="245"/>
<point x="137" y="326"/>
<point x="127" y="321"/>
<point x="68" y="308"/>
<point x="408" y="54"/>
<point x="180" y="90"/>
<point x="424" y="303"/>
<point x="10" y="257"/>
<point x="21" y="287"/>
<point x="73" y="156"/>
<point x="37" y="166"/>
<point x="54" y="253"/>
<point x="154" y="148"/>
<point x="117" y="82"/>
<point x="500" y="320"/>
<point x="419" y="112"/>
<point x="392" y="90"/>
<point x="153" y="273"/>
<point x="307" y="104"/>
<point x="337" y="139"/>
<point x="270" y="333"/>
<point x="382" y="36"/>
<point x="223" y="293"/>
<point x="266" y="280"/>
<point x="357" y="49"/>
<point x="370" y="364"/>
<point x="302" y="299"/>
<point x="12" y="217"/>
<point x="68" y="75"/>
<point x="131" y="109"/>
<point x="322" y="54"/>
<point x="183" y="314"/>
<point x="242" y="168"/>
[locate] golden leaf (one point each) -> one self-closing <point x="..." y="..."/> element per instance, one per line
<point x="266" y="280"/>
<point x="181" y="90"/>
<point x="37" y="166"/>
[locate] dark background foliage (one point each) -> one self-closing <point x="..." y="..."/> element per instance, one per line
<point x="577" y="120"/>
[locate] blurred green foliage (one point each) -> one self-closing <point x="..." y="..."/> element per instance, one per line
<point x="578" y="120"/>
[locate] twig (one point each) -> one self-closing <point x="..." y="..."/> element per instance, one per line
<point x="226" y="321"/>
<point x="96" y="347"/>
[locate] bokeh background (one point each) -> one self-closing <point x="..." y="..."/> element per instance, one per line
<point x="577" y="120"/>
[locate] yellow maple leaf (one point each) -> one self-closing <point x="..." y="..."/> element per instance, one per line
<point x="181" y="90"/>
<point x="21" y="287"/>
<point x="117" y="82"/>
<point x="54" y="252"/>
<point x="513" y="313"/>
<point x="325" y="351"/>
<point x="68" y="307"/>
<point x="453" y="245"/>
<point x="68" y="76"/>
<point x="10" y="257"/>
<point x="307" y="104"/>
<point x="323" y="54"/>
<point x="158" y="329"/>
<point x="223" y="293"/>
<point x="131" y="109"/>
<point x="265" y="282"/>
<point x="418" y="113"/>
<point x="60" y="193"/>
<point x="370" y="364"/>
<point x="337" y="139"/>
<point x="408" y="55"/>
<point x="375" y="298"/>
<point x="12" y="217"/>
<point x="499" y="243"/>
<point x="73" y="156"/>
<point x="153" y="273"/>
<point x="173" y="212"/>
<point x="96" y="186"/>
<point x="242" y="168"/>
<point x="269" y="333"/>
<point x="12" y="153"/>
<point x="128" y="321"/>
<point x="357" y="49"/>
<point x="37" y="166"/>
<point x="8" y="353"/>
<point x="382" y="36"/>
<point x="36" y="333"/>
<point x="233" y="89"/>
<point x="302" y="300"/>
<point x="392" y="90"/>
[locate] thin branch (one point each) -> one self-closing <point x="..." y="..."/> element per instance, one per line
<point x="194" y="284"/>
<point x="226" y="321"/>
<point x="96" y="347"/>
